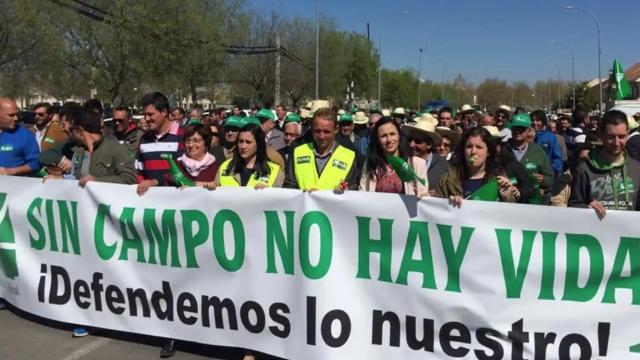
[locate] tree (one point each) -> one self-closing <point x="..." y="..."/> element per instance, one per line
<point x="493" y="92"/>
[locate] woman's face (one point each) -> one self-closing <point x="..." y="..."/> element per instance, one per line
<point x="445" y="147"/>
<point x="389" y="138"/>
<point x="194" y="145"/>
<point x="247" y="145"/>
<point x="476" y="152"/>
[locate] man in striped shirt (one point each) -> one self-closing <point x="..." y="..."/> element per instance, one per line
<point x="158" y="144"/>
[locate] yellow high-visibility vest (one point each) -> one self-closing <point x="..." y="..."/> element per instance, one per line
<point x="334" y="172"/>
<point x="229" y="180"/>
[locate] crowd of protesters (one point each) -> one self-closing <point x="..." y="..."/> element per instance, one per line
<point x="499" y="155"/>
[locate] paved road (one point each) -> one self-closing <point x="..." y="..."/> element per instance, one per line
<point x="25" y="337"/>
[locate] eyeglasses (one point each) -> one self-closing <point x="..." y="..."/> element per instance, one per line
<point x="41" y="114"/>
<point x="215" y="133"/>
<point x="445" y="145"/>
<point x="501" y="116"/>
<point x="418" y="141"/>
<point x="119" y="120"/>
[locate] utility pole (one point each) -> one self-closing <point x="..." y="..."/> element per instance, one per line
<point x="419" y="78"/>
<point x="277" y="92"/>
<point x="317" y="47"/>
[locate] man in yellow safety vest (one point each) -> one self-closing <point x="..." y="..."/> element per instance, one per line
<point x="322" y="164"/>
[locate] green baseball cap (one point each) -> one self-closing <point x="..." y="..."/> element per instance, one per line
<point x="234" y="121"/>
<point x="522" y="120"/>
<point x="346" y="117"/>
<point x="265" y="114"/>
<point x="251" y="120"/>
<point x="292" y="118"/>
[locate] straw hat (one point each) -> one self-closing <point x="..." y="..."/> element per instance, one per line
<point x="466" y="108"/>
<point x="494" y="131"/>
<point x="360" y="118"/>
<point x="341" y="112"/>
<point x="398" y="111"/>
<point x="427" y="117"/>
<point x="423" y="128"/>
<point x="306" y="114"/>
<point x="504" y="108"/>
<point x="319" y="104"/>
<point x="386" y="112"/>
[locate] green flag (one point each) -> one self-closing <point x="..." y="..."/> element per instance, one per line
<point x="177" y="175"/>
<point x="486" y="192"/>
<point x="623" y="88"/>
<point x="403" y="170"/>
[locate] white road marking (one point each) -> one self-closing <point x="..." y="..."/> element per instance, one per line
<point x="89" y="348"/>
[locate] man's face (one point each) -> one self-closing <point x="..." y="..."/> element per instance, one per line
<point x="236" y="110"/>
<point x="176" y="115"/>
<point x="346" y="128"/>
<point x="614" y="138"/>
<point x="8" y="115"/>
<point x="122" y="120"/>
<point x="445" y="119"/>
<point x="154" y="118"/>
<point x="501" y="118"/>
<point x="290" y="133"/>
<point x="536" y="123"/>
<point x="193" y="114"/>
<point x="42" y="117"/>
<point x="519" y="134"/>
<point x="564" y="124"/>
<point x="66" y="125"/>
<point x="373" y="119"/>
<point x="230" y="134"/>
<point x="280" y="112"/>
<point x="267" y="125"/>
<point x="487" y="120"/>
<point x="324" y="132"/>
<point x="76" y="135"/>
<point x="418" y="146"/>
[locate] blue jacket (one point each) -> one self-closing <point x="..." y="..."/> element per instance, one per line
<point x="549" y="143"/>
<point x="19" y="147"/>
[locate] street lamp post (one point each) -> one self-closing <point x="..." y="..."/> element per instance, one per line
<point x="380" y="50"/>
<point x="419" y="77"/>
<point x="317" y="47"/>
<point x="573" y="73"/>
<point x="595" y="18"/>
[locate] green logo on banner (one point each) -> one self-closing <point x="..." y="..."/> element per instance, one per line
<point x="8" y="262"/>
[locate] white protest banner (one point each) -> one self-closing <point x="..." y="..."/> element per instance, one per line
<point x="325" y="276"/>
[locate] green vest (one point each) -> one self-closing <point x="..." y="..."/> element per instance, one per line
<point x="334" y="172"/>
<point x="229" y="180"/>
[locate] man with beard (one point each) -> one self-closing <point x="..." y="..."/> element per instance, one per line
<point x="609" y="178"/>
<point x="92" y="156"/>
